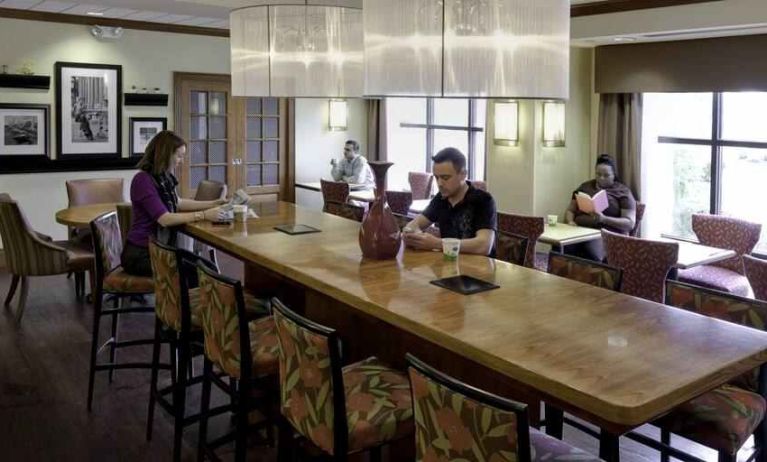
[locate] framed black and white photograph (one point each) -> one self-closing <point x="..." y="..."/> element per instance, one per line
<point x="24" y="129"/>
<point x="88" y="109"/>
<point x="142" y="130"/>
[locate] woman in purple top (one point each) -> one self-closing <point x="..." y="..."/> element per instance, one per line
<point x="618" y="217"/>
<point x="156" y="206"/>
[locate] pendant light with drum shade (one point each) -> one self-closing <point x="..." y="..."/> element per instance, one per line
<point x="467" y="48"/>
<point x="297" y="48"/>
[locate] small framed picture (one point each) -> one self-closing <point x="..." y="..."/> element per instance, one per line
<point x="88" y="110"/>
<point x="25" y="129"/>
<point x="142" y="130"/>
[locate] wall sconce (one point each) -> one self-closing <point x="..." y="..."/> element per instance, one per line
<point x="506" y="123"/>
<point x="553" y="124"/>
<point x="337" y="115"/>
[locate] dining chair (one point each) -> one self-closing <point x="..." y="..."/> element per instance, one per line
<point x="756" y="272"/>
<point x="339" y="410"/>
<point x="124" y="218"/>
<point x="113" y="282"/>
<point x="640" y="209"/>
<point x="726" y="233"/>
<point x="645" y="263"/>
<point x="29" y="254"/>
<point x="208" y="190"/>
<point x="724" y="418"/>
<point x="399" y="201"/>
<point x="420" y="184"/>
<point x="479" y="184"/>
<point x="336" y="191"/>
<point x="527" y="226"/>
<point x="241" y="348"/>
<point x="467" y="420"/>
<point x="511" y="248"/>
<point x="345" y="210"/>
<point x="585" y="271"/>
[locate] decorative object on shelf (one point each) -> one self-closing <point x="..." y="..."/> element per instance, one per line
<point x="26" y="68"/>
<point x="142" y="130"/>
<point x="36" y="82"/>
<point x="379" y="236"/>
<point x="25" y="129"/>
<point x="146" y="99"/>
<point x="5" y="68"/>
<point x="467" y="48"/>
<point x="337" y="115"/>
<point x="88" y="110"/>
<point x="554" y="124"/>
<point x="506" y="123"/>
<point x="311" y="48"/>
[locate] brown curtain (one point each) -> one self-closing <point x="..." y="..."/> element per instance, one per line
<point x="376" y="149"/>
<point x="620" y="135"/>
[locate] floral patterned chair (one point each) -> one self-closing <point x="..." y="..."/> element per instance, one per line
<point x="586" y="271"/>
<point x="511" y="248"/>
<point x="529" y="227"/>
<point x="420" y="184"/>
<point x="399" y="201"/>
<point x="726" y="233"/>
<point x="112" y="280"/>
<point x="336" y="409"/>
<point x="241" y="348"/>
<point x="476" y="425"/>
<point x="724" y="418"/>
<point x="640" y="209"/>
<point x="645" y="263"/>
<point x="756" y="272"/>
<point x="336" y="191"/>
<point x="345" y="210"/>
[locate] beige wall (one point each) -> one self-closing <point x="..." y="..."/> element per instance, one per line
<point x="148" y="60"/>
<point x="530" y="178"/>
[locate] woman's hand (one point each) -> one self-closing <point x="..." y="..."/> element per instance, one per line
<point x="598" y="217"/>
<point x="214" y="214"/>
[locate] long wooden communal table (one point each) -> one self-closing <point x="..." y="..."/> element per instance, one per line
<point x="615" y="360"/>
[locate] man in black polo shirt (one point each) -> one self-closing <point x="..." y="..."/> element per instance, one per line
<point x="460" y="210"/>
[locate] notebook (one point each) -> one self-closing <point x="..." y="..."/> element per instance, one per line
<point x="297" y="229"/>
<point x="588" y="204"/>
<point x="465" y="285"/>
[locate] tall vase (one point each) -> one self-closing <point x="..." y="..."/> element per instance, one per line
<point x="379" y="235"/>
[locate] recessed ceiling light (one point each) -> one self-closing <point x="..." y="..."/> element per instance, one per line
<point x="624" y="39"/>
<point x="95" y="13"/>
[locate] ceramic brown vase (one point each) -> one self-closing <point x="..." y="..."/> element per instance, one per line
<point x="379" y="235"/>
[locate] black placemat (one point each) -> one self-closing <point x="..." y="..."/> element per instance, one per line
<point x="465" y="285"/>
<point x="297" y="229"/>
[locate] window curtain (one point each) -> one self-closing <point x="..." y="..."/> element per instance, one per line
<point x="620" y="135"/>
<point x="376" y="148"/>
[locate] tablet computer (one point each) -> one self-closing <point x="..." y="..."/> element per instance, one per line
<point x="297" y="229"/>
<point x="465" y="285"/>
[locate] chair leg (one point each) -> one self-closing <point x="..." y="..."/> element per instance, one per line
<point x="241" y="413"/>
<point x="375" y="454"/>
<point x="285" y="440"/>
<point x="112" y="346"/>
<point x="179" y="399"/>
<point x="554" y="421"/>
<point x="609" y="447"/>
<point x="760" y="442"/>
<point x="202" y="440"/>
<point x="153" y="381"/>
<point x="78" y="284"/>
<point x="99" y="300"/>
<point x="12" y="290"/>
<point x="665" y="438"/>
<point x="22" y="298"/>
<point x="173" y="349"/>
<point x="727" y="457"/>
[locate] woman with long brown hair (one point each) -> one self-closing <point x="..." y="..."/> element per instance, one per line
<point x="156" y="206"/>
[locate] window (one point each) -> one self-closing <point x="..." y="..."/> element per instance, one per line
<point x="417" y="128"/>
<point x="704" y="152"/>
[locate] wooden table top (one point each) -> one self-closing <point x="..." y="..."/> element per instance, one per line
<point x="564" y="234"/>
<point x="80" y="216"/>
<point x="620" y="358"/>
<point x="364" y="195"/>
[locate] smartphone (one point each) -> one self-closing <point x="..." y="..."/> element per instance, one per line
<point x="220" y="223"/>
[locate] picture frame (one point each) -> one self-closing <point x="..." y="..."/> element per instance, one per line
<point x="142" y="130"/>
<point x="24" y="132"/>
<point x="88" y="110"/>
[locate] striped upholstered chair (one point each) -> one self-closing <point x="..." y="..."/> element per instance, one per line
<point x="472" y="421"/>
<point x="756" y="272"/>
<point x="29" y="253"/>
<point x="722" y="419"/>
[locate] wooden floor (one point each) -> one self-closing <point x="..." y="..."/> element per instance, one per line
<point x="43" y="383"/>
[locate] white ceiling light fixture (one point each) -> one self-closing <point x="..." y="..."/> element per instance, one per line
<point x="467" y="48"/>
<point x="313" y="49"/>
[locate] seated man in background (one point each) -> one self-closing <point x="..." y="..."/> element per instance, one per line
<point x="460" y="210"/>
<point x="353" y="168"/>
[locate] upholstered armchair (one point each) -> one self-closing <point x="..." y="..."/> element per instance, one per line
<point x="479" y="184"/>
<point x="529" y="227"/>
<point x="585" y="271"/>
<point x="638" y="219"/>
<point x="645" y="263"/>
<point x="725" y="233"/>
<point x="209" y="190"/>
<point x="29" y="253"/>
<point x="399" y="201"/>
<point x="756" y="272"/>
<point x="420" y="184"/>
<point x="345" y="210"/>
<point x="511" y="248"/>
<point x="336" y="191"/>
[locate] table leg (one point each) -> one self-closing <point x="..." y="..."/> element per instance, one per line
<point x="609" y="448"/>
<point x="554" y="421"/>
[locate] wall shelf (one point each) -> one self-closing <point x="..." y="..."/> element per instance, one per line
<point x="37" y="82"/>
<point x="146" y="99"/>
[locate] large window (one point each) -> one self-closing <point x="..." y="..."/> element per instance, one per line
<point x="704" y="152"/>
<point x="417" y="128"/>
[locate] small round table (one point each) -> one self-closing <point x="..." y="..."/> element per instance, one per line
<point x="80" y="216"/>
